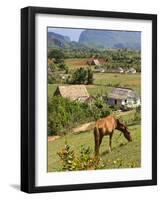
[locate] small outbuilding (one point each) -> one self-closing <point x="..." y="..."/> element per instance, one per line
<point x="117" y="70"/>
<point x="93" y="62"/>
<point x="131" y="71"/>
<point x="120" y="70"/>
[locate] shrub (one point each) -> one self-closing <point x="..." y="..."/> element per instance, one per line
<point x="82" y="76"/>
<point x="79" y="76"/>
<point x="56" y="54"/>
<point x="84" y="161"/>
<point x="54" y="78"/>
<point x="64" y="114"/>
<point x="89" y="76"/>
<point x="99" y="108"/>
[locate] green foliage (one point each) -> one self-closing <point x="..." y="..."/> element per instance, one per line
<point x="57" y="55"/>
<point x="89" y="76"/>
<point x="55" y="78"/>
<point x="112" y="59"/>
<point x="51" y="79"/>
<point x="137" y="116"/>
<point x="67" y="157"/>
<point x="79" y="76"/>
<point x="84" y="161"/>
<point x="115" y="107"/>
<point x="82" y="76"/>
<point x="99" y="108"/>
<point x="64" y="114"/>
<point x="56" y="64"/>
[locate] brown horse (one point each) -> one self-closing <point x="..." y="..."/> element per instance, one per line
<point x="106" y="126"/>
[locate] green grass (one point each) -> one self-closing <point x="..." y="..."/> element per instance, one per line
<point x="51" y="89"/>
<point x="104" y="82"/>
<point x="124" y="154"/>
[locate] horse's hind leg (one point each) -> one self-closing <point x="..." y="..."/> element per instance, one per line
<point x="100" y="139"/>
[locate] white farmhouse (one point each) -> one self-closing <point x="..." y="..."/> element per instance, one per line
<point x="124" y="97"/>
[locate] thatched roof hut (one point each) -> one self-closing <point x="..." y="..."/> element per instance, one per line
<point x="122" y="93"/>
<point x="73" y="92"/>
<point x="93" y="62"/>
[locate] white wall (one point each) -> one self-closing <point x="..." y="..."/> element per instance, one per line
<point x="10" y="98"/>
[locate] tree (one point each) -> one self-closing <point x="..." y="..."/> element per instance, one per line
<point x="99" y="108"/>
<point x="80" y="76"/>
<point x="89" y="76"/>
<point x="57" y="54"/>
<point x="64" y="114"/>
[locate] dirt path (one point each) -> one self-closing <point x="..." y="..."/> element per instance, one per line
<point x="52" y="138"/>
<point x="84" y="127"/>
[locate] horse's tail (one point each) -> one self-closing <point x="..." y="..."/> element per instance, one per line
<point x="96" y="139"/>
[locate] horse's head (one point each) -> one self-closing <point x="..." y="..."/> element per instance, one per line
<point x="125" y="131"/>
<point x="127" y="134"/>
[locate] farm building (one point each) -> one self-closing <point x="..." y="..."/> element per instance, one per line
<point x="93" y="62"/>
<point x="124" y="97"/>
<point x="131" y="71"/>
<point x="117" y="70"/>
<point x="73" y="92"/>
<point x="120" y="70"/>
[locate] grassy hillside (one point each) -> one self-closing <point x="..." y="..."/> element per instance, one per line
<point x="124" y="154"/>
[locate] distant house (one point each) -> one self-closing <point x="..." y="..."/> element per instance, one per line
<point x="123" y="97"/>
<point x="131" y="71"/>
<point x="120" y="70"/>
<point x="93" y="62"/>
<point x="73" y="92"/>
<point x="117" y="70"/>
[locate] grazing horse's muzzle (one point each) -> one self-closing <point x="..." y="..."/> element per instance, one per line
<point x="128" y="136"/>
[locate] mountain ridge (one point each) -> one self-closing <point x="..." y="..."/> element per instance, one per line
<point x="111" y="39"/>
<point x="97" y="39"/>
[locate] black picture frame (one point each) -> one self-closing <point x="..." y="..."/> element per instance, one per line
<point x="28" y="98"/>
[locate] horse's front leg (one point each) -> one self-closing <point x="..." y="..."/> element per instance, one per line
<point x="110" y="142"/>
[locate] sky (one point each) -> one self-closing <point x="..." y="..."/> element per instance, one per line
<point x="72" y="33"/>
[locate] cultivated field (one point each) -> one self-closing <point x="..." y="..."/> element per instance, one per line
<point x="76" y="63"/>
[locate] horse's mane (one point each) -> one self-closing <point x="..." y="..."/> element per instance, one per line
<point x="119" y="123"/>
